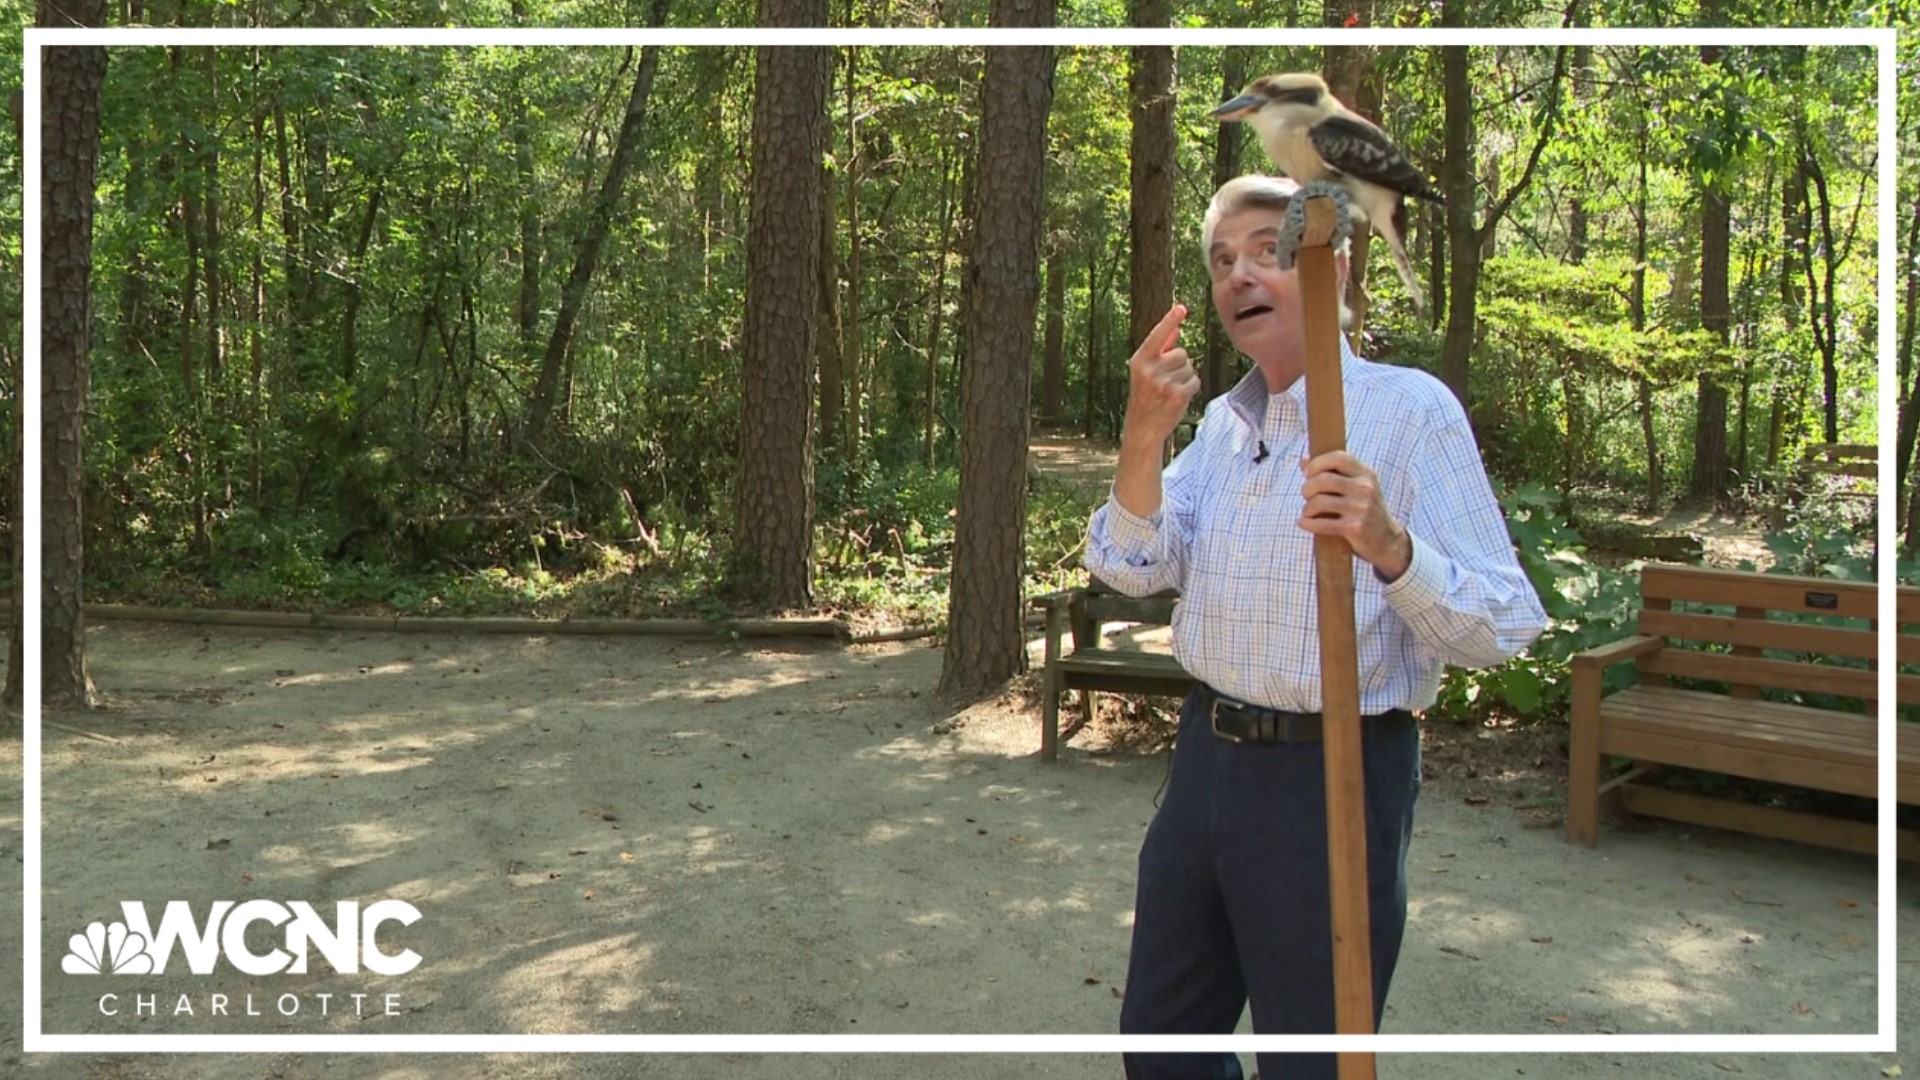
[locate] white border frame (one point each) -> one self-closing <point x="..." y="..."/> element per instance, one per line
<point x="34" y="1040"/>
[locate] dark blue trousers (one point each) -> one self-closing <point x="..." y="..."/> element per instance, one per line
<point x="1233" y="906"/>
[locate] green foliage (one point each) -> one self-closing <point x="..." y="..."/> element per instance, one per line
<point x="1586" y="604"/>
<point x="397" y="472"/>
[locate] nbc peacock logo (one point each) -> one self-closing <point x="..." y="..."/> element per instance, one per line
<point x="107" y="949"/>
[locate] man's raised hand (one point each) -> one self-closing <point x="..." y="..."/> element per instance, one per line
<point x="1161" y="382"/>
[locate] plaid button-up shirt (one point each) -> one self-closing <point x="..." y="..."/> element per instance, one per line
<point x="1227" y="536"/>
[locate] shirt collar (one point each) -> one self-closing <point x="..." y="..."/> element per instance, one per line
<point x="1248" y="398"/>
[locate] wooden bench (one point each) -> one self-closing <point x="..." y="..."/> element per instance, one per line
<point x="1739" y="732"/>
<point x="1090" y="666"/>
<point x="1858" y="461"/>
<point x="1843" y="459"/>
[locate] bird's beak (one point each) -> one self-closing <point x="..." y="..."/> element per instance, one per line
<point x="1238" y="109"/>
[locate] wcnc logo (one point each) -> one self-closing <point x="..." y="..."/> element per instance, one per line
<point x="133" y="946"/>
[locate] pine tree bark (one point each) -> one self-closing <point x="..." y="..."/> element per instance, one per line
<point x="71" y="78"/>
<point x="1226" y="166"/>
<point x="1150" y="217"/>
<point x="774" y="528"/>
<point x="985" y="644"/>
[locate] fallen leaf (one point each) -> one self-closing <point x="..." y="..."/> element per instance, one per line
<point x="1803" y="1008"/>
<point x="1891" y="1070"/>
<point x="1092" y="981"/>
<point x="1726" y="1066"/>
<point x="1118" y="994"/>
<point x="578" y="851"/>
<point x="221" y="844"/>
<point x="589" y="894"/>
<point x="1698" y="880"/>
<point x="1548" y="940"/>
<point x="1850" y="941"/>
<point x="1844" y="902"/>
<point x="626" y="856"/>
<point x="1560" y="1019"/>
<point x="1477" y="800"/>
<point x="246" y="879"/>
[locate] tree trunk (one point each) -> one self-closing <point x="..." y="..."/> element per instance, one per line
<point x="985" y="645"/>
<point x="850" y="321"/>
<point x="1643" y="387"/>
<point x="827" y="338"/>
<point x="16" y="493"/>
<point x="71" y="78"/>
<point x="1354" y="78"/>
<point x="1822" y="316"/>
<point x="257" y="301"/>
<point x="587" y="252"/>
<point x="1226" y="166"/>
<point x="1053" y="363"/>
<point x="530" y="196"/>
<point x="1796" y="223"/>
<point x="1910" y="400"/>
<point x="350" y="317"/>
<point x="1150" y="205"/>
<point x="1710" y="423"/>
<point x="1093" y="344"/>
<point x="1457" y="173"/>
<point x="938" y="317"/>
<point x="775" y="510"/>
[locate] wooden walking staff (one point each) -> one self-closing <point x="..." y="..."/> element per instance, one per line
<point x="1324" y="209"/>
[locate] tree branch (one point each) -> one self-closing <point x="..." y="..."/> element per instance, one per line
<point x="1552" y="116"/>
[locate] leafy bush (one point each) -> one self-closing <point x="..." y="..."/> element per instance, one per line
<point x="1586" y="604"/>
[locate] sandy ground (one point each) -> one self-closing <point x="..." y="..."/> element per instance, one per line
<point x="633" y="835"/>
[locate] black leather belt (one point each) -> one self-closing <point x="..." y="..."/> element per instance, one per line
<point x="1239" y="721"/>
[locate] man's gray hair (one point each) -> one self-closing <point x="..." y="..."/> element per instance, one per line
<point x="1254" y="191"/>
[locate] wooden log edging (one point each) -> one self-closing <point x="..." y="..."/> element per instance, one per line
<point x="450" y="624"/>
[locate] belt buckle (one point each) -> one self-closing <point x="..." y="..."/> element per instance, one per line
<point x="1213" y="719"/>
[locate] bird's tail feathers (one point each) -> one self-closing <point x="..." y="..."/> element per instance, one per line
<point x="1405" y="267"/>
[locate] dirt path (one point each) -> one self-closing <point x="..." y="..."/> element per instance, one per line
<point x="642" y="836"/>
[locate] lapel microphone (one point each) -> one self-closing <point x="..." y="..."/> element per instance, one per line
<point x="1261" y="455"/>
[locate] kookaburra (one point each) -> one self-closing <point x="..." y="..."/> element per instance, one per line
<point x="1311" y="136"/>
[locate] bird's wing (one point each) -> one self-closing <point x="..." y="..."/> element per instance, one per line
<point x="1364" y="152"/>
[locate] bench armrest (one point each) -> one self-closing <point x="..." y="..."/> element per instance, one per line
<point x="1049" y="601"/>
<point x="1602" y="657"/>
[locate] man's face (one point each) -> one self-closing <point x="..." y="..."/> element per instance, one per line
<point x="1259" y="303"/>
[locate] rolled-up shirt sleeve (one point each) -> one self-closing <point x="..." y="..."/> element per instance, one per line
<point x="1144" y="555"/>
<point x="1464" y="594"/>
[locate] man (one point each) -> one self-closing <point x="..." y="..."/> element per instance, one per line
<point x="1232" y="906"/>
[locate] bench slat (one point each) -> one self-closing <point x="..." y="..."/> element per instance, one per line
<point x="1861" y="644"/>
<point x="1790" y="767"/>
<point x="1779" y="674"/>
<point x="1775" y="592"/>
<point x="1855" y="836"/>
<point x="1766" y="726"/>
<point x="1907" y="604"/>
